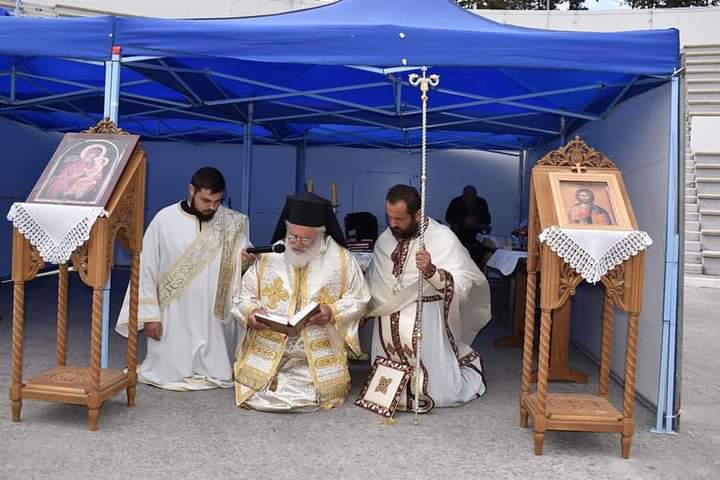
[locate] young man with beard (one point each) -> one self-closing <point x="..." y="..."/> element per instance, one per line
<point x="308" y="371"/>
<point x="193" y="252"/>
<point x="456" y="304"/>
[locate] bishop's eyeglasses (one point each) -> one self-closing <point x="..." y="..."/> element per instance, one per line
<point x="299" y="239"/>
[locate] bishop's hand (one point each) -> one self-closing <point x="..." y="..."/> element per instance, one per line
<point x="423" y="260"/>
<point x="252" y="322"/>
<point x="322" y="317"/>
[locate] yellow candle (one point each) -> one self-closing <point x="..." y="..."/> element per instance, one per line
<point x="333" y="194"/>
<point x="309" y="185"/>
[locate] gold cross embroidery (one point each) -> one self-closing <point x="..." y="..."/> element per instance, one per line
<point x="324" y="297"/>
<point x="383" y="385"/>
<point x="275" y="293"/>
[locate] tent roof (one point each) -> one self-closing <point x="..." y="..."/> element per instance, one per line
<point x="335" y="74"/>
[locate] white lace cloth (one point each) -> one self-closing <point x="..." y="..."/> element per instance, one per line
<point x="55" y="230"/>
<point x="593" y="253"/>
<point x="505" y="261"/>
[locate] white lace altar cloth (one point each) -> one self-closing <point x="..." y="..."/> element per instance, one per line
<point x="55" y="230"/>
<point x="593" y="253"/>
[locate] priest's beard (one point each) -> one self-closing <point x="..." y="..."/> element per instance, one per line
<point x="407" y="233"/>
<point x="301" y="259"/>
<point x="204" y="215"/>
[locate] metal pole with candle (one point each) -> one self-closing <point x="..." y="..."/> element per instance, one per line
<point x="424" y="83"/>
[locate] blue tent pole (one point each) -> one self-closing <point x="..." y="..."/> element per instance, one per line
<point x="112" y="97"/>
<point x="247" y="161"/>
<point x="301" y="166"/>
<point x="666" y="393"/>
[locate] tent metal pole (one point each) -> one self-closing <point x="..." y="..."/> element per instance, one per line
<point x="301" y="166"/>
<point x="111" y="107"/>
<point x="666" y="393"/>
<point x="13" y="78"/>
<point x="247" y="164"/>
<point x="522" y="158"/>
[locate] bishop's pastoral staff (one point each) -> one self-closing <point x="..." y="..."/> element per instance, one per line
<point x="308" y="371"/>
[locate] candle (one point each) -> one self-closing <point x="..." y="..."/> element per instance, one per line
<point x="309" y="185"/>
<point x="333" y="194"/>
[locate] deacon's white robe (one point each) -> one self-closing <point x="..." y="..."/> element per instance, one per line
<point x="456" y="306"/>
<point x="274" y="372"/>
<point x="187" y="271"/>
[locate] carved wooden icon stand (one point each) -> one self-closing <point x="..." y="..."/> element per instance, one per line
<point x="622" y="288"/>
<point x="89" y="386"/>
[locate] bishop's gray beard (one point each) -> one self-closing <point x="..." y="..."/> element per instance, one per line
<point x="301" y="260"/>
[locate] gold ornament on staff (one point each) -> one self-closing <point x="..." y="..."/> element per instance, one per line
<point x="424" y="82"/>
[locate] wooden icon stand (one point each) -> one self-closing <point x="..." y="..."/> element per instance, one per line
<point x="622" y="288"/>
<point x="85" y="385"/>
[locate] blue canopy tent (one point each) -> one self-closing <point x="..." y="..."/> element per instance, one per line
<point x="333" y="75"/>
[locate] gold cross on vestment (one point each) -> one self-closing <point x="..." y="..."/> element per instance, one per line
<point x="275" y="293"/>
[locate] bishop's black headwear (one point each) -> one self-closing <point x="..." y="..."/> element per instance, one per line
<point x="309" y="210"/>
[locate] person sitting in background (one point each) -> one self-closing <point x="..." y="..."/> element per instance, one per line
<point x="467" y="216"/>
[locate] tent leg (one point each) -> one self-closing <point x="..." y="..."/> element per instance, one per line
<point x="111" y="107"/>
<point x="301" y="167"/>
<point x="247" y="164"/>
<point x="666" y="393"/>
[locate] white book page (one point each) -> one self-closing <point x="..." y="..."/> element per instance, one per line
<point x="302" y="313"/>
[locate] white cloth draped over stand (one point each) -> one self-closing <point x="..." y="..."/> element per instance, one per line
<point x="55" y="230"/>
<point x="593" y="253"/>
<point x="505" y="261"/>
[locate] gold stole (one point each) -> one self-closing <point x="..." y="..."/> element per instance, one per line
<point x="259" y="364"/>
<point x="222" y="236"/>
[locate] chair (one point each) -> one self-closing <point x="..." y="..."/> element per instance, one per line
<point x="361" y="226"/>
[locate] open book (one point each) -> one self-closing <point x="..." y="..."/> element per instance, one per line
<point x="289" y="326"/>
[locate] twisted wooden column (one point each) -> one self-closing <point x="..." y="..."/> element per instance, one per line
<point x="17" y="348"/>
<point x="95" y="350"/>
<point x="528" y="344"/>
<point x="60" y="353"/>
<point x="606" y="350"/>
<point x="132" y="328"/>
<point x="542" y="379"/>
<point x="629" y="394"/>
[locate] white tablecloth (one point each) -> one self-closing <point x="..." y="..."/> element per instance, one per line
<point x="363" y="259"/>
<point x="593" y="253"/>
<point x="505" y="260"/>
<point x="55" y="230"/>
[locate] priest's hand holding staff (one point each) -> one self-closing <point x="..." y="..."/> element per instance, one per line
<point x="423" y="260"/>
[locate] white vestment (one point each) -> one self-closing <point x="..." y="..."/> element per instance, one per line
<point x="187" y="271"/>
<point x="456" y="306"/>
<point x="276" y="372"/>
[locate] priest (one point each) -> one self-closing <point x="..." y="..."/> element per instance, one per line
<point x="307" y="371"/>
<point x="456" y="304"/>
<point x="193" y="252"/>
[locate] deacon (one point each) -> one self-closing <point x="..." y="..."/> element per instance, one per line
<point x="308" y="371"/>
<point x="456" y="304"/>
<point x="188" y="265"/>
